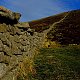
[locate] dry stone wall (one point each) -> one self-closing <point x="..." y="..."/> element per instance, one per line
<point x="16" y="42"/>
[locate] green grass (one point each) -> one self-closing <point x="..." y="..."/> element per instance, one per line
<point x="58" y="64"/>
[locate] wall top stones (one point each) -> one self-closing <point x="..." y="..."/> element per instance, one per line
<point x="8" y="17"/>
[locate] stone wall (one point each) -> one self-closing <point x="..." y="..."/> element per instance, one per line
<point x="16" y="42"/>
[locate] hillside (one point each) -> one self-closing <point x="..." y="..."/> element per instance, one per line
<point x="65" y="27"/>
<point x="43" y="24"/>
<point x="67" y="30"/>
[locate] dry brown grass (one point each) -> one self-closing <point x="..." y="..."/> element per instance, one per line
<point x="25" y="69"/>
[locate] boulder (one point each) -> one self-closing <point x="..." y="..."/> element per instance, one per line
<point x="23" y="25"/>
<point x="8" y="17"/>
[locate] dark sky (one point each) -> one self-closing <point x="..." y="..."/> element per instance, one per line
<point x="36" y="9"/>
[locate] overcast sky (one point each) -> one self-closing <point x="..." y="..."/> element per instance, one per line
<point x="36" y="9"/>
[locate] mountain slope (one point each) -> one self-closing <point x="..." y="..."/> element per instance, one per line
<point x="68" y="30"/>
<point x="42" y="24"/>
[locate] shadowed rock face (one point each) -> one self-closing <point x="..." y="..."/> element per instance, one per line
<point x="8" y="17"/>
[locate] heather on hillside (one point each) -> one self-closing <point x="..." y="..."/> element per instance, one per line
<point x="67" y="31"/>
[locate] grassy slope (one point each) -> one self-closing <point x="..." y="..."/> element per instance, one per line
<point x="58" y="64"/>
